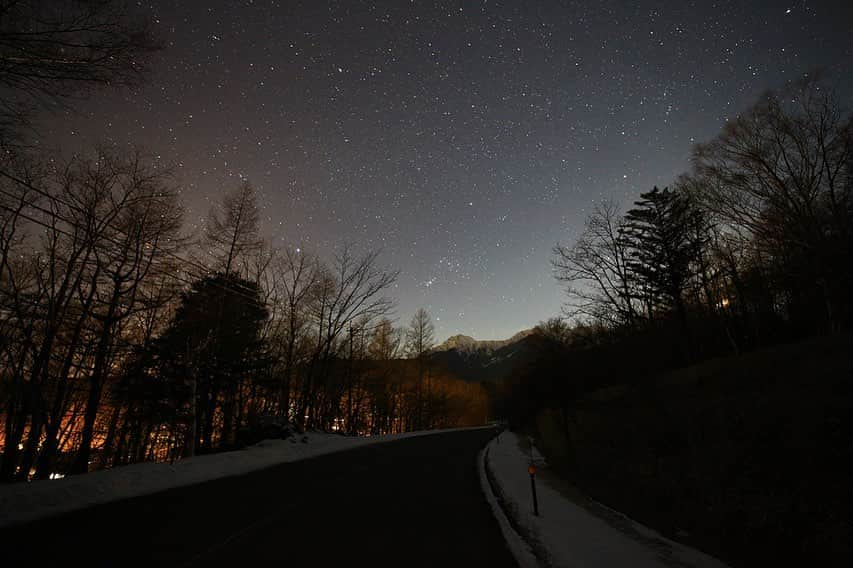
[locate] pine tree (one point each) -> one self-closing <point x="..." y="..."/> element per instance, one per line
<point x="664" y="233"/>
<point x="209" y="353"/>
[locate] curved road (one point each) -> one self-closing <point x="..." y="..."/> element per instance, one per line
<point x="414" y="502"/>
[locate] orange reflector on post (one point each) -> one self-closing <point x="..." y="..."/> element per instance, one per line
<point x="531" y="469"/>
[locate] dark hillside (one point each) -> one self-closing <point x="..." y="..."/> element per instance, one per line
<point x="749" y="458"/>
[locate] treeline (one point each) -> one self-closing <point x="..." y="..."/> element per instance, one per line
<point x="751" y="247"/>
<point x="122" y="339"/>
<point x="677" y="394"/>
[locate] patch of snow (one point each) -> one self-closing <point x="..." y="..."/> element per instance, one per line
<point x="569" y="535"/>
<point x="23" y="502"/>
<point x="519" y="548"/>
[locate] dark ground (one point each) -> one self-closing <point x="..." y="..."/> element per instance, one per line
<point x="747" y="458"/>
<point x="415" y="502"/>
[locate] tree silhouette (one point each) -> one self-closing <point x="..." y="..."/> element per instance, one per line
<point x="50" y="51"/>
<point x="213" y="352"/>
<point x="596" y="270"/>
<point x="664" y="234"/>
<point x="781" y="175"/>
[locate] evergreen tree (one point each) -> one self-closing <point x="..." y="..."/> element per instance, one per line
<point x="210" y="351"/>
<point x="665" y="235"/>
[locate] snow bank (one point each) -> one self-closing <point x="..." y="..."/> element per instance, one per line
<point x="23" y="502"/>
<point x="569" y="535"/>
<point x="520" y="549"/>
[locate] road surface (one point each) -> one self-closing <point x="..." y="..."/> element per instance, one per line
<point x="414" y="502"/>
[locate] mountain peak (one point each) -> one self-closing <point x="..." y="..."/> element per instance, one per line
<point x="477" y="360"/>
<point x="467" y="343"/>
<point x="457" y="342"/>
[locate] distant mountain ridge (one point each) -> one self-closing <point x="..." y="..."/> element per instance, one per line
<point x="465" y="343"/>
<point x="476" y="360"/>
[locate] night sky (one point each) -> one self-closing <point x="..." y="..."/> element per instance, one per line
<point x="462" y="138"/>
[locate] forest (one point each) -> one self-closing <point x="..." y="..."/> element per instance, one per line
<point x="700" y="379"/>
<point x="697" y="380"/>
<point x="126" y="337"/>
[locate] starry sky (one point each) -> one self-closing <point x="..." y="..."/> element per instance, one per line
<point x="463" y="139"/>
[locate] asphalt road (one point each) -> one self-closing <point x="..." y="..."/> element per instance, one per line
<point x="414" y="502"/>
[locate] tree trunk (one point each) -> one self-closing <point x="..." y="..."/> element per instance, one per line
<point x="96" y="384"/>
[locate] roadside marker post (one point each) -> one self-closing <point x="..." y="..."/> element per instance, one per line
<point x="531" y="469"/>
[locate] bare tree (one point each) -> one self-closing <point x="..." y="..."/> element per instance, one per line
<point x="104" y="223"/>
<point x="385" y="341"/>
<point x="556" y="329"/>
<point x="781" y="172"/>
<point x="420" y="338"/>
<point x="351" y="290"/>
<point x="296" y="275"/>
<point x="146" y="225"/>
<point x="420" y="335"/>
<point x="596" y="272"/>
<point x="52" y="50"/>
<point x="232" y="230"/>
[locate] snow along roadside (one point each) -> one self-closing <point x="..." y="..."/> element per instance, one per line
<point x="23" y="502"/>
<point x="566" y="534"/>
<point x="516" y="544"/>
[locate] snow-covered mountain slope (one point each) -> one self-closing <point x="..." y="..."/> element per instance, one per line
<point x="467" y="344"/>
<point x="490" y="360"/>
